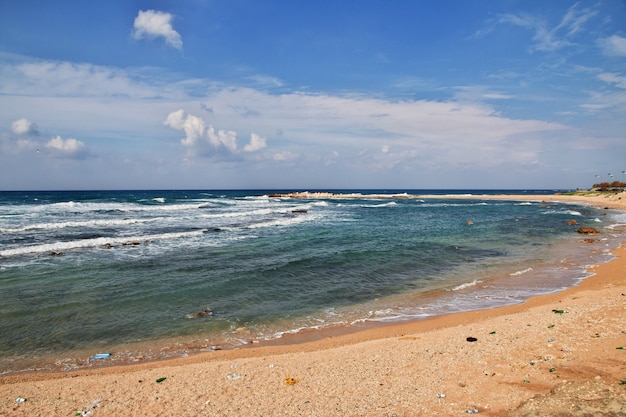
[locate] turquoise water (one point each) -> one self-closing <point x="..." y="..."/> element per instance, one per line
<point x="85" y="272"/>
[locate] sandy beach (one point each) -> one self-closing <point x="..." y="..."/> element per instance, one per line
<point x="558" y="353"/>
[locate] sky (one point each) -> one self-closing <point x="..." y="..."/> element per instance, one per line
<point x="325" y="94"/>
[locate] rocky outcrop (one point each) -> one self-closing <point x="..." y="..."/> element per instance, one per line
<point x="588" y="231"/>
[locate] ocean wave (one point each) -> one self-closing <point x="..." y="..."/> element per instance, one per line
<point x="72" y="224"/>
<point x="247" y="213"/>
<point x="96" y="242"/>
<point x="467" y="285"/>
<point x="568" y="212"/>
<point x="279" y="222"/>
<point x="86" y="207"/>
<point x="389" y="204"/>
<point x="522" y="272"/>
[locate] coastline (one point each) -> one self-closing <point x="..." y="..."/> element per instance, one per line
<point x="400" y="368"/>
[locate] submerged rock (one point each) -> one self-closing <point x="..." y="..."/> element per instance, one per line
<point x="588" y="231"/>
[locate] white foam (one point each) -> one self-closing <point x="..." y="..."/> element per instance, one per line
<point x="389" y="204"/>
<point x="95" y="242"/>
<point x="86" y="223"/>
<point x="466" y="285"/>
<point x="523" y="271"/>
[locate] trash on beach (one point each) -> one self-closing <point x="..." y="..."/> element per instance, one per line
<point x="621" y="348"/>
<point x="99" y="356"/>
<point x="558" y="311"/>
<point x="471" y="339"/>
<point x="492" y="332"/>
<point x="291" y="381"/>
<point x="158" y="381"/>
<point x="441" y="395"/>
<point x="88" y="409"/>
<point x="20" y="400"/>
<point x="233" y="376"/>
<point x="552" y="369"/>
<point x="471" y="411"/>
<point x="622" y="382"/>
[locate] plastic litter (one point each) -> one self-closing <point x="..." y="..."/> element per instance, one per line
<point x="558" y="311"/>
<point x="233" y="376"/>
<point x="158" y="381"/>
<point x="20" y="400"/>
<point x="99" y="356"/>
<point x="291" y="381"/>
<point x="471" y="339"/>
<point x="87" y="411"/>
<point x="441" y="395"/>
<point x="471" y="411"/>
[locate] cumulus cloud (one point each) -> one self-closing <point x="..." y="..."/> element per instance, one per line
<point x="24" y="126"/>
<point x="201" y="138"/>
<point x="66" y="147"/>
<point x="256" y="143"/>
<point x="193" y="126"/>
<point x="153" y="24"/>
<point x="614" y="45"/>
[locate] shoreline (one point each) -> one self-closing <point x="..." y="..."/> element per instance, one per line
<point x="402" y="352"/>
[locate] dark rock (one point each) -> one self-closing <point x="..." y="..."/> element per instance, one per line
<point x="588" y="231"/>
<point x="590" y="240"/>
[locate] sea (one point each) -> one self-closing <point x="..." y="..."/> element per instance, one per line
<point x="100" y="278"/>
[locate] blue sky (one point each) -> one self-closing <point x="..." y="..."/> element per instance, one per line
<point x="219" y="94"/>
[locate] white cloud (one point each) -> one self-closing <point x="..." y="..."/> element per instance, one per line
<point x="201" y="138"/>
<point x="284" y="156"/>
<point x="153" y="24"/>
<point x="256" y="143"/>
<point x="614" y="45"/>
<point x="193" y="126"/>
<point x="547" y="37"/>
<point x="56" y="78"/>
<point x="66" y="147"/>
<point x="618" y="80"/>
<point x="226" y="138"/>
<point x="24" y="126"/>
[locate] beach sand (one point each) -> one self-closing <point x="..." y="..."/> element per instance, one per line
<point x="557" y="353"/>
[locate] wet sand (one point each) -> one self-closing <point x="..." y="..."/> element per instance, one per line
<point x="557" y="352"/>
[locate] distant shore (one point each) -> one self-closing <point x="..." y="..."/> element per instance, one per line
<point x="596" y="198"/>
<point x="503" y="361"/>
